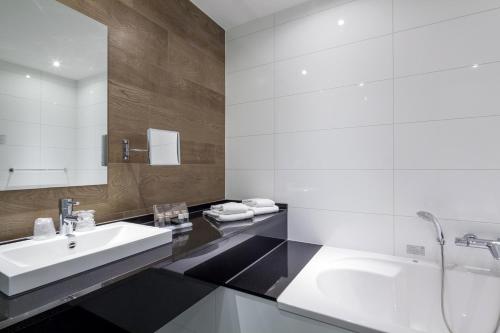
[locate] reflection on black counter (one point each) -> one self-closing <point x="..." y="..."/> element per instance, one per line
<point x="137" y="294"/>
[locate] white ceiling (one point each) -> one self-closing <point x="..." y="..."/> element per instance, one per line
<point x="231" y="13"/>
<point x="35" y="33"/>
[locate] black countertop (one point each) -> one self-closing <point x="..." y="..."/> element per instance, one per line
<point x="205" y="236"/>
<point x="141" y="293"/>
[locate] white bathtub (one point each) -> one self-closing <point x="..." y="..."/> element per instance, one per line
<point x="367" y="292"/>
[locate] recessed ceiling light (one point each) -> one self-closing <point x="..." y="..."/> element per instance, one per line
<point x="304" y="72"/>
<point x="340" y="22"/>
<point x="28" y="76"/>
<point x="56" y="63"/>
<point x="361" y="84"/>
<point x="475" y="66"/>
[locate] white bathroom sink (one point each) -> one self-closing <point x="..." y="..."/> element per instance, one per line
<point x="32" y="263"/>
<point x="368" y="292"/>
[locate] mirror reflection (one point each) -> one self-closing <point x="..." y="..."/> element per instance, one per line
<point x="53" y="96"/>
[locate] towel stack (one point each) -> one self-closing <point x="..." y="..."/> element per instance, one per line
<point x="234" y="211"/>
<point x="228" y="212"/>
<point x="261" y="206"/>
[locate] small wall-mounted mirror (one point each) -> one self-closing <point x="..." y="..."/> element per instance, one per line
<point x="53" y="96"/>
<point x="164" y="147"/>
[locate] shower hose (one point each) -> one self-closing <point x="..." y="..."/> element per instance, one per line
<point x="443" y="312"/>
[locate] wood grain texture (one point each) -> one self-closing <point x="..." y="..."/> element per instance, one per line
<point x="165" y="70"/>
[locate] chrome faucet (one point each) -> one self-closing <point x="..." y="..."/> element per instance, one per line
<point x="471" y="240"/>
<point x="67" y="219"/>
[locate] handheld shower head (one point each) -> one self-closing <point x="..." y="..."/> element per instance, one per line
<point x="426" y="216"/>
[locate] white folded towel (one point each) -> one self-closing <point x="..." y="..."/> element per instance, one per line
<point x="258" y="202"/>
<point x="229" y="217"/>
<point x="230" y="208"/>
<point x="264" y="210"/>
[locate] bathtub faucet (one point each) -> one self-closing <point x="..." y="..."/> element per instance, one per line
<point x="471" y="240"/>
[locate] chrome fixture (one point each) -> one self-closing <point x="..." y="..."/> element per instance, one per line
<point x="126" y="149"/>
<point x="426" y="216"/>
<point x="471" y="240"/>
<point x="468" y="240"/>
<point x="429" y="217"/>
<point x="163" y="147"/>
<point x="71" y="241"/>
<point x="67" y="219"/>
<point x="11" y="170"/>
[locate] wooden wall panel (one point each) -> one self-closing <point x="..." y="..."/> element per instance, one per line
<point x="166" y="70"/>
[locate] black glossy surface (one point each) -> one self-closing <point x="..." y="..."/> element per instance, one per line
<point x="226" y="265"/>
<point x="271" y="275"/>
<point x="205" y="236"/>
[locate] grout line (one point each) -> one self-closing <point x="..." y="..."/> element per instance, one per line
<point x="453" y="219"/>
<point x="305" y="54"/>
<point x="348" y="85"/>
<point x="341" y="45"/>
<point x="364" y="169"/>
<point x="393" y="137"/>
<point x="448" y="69"/>
<point x="274" y="108"/>
<point x="446" y="20"/>
<point x="340" y="211"/>
<point x="365" y="126"/>
<point x="388" y="214"/>
<point x="250" y="102"/>
<point x="274" y="25"/>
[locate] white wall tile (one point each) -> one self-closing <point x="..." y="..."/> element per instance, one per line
<point x="250" y="118"/>
<point x="58" y="115"/>
<point x="454" y="194"/>
<point x="243" y="184"/>
<point x="251" y="152"/>
<point x="57" y="158"/>
<point x="413" y="13"/>
<point x="58" y="90"/>
<point x="465" y="92"/>
<point x="361" y="19"/>
<point x="413" y="231"/>
<point x="352" y="148"/>
<point x="334" y="139"/>
<point x="250" y="27"/>
<point x="19" y="109"/>
<point x="92" y="90"/>
<point x="39" y="119"/>
<point x="23" y="179"/>
<point x="23" y="157"/>
<point x="13" y="81"/>
<point x="87" y="137"/>
<point x="250" y="51"/>
<point x="369" y="61"/>
<point x="357" y="231"/>
<point x="352" y="106"/>
<point x="250" y="85"/>
<point x="462" y="42"/>
<point x="306" y="9"/>
<point x="58" y="136"/>
<point x="20" y="133"/>
<point x="92" y="115"/>
<point x="367" y="191"/>
<point x="451" y="144"/>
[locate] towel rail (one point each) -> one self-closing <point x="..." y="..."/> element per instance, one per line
<point x="11" y="170"/>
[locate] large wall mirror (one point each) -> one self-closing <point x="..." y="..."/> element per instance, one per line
<point x="53" y="96"/>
